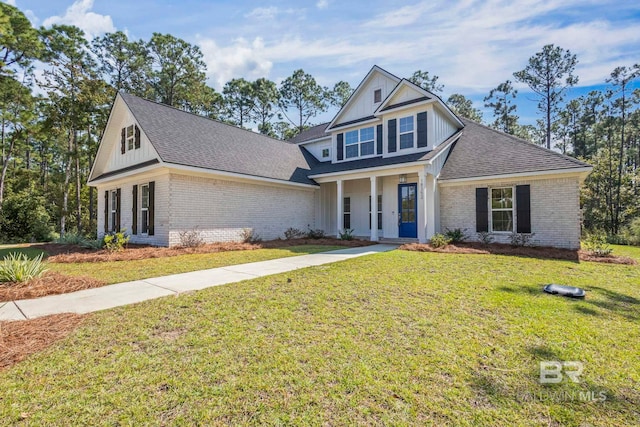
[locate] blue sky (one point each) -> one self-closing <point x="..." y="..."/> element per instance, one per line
<point x="472" y="45"/>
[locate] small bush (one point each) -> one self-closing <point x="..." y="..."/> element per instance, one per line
<point x="93" y="244"/>
<point x="346" y="234"/>
<point x="439" y="240"/>
<point x="71" y="239"/>
<point x="191" y="238"/>
<point x="456" y="235"/>
<point x="249" y="236"/>
<point x="315" y="234"/>
<point x="631" y="233"/>
<point x="19" y="268"/>
<point x="293" y="233"/>
<point x="116" y="241"/>
<point x="485" y="238"/>
<point x="596" y="244"/>
<point x="521" y="239"/>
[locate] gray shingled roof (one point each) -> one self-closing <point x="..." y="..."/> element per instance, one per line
<point x="187" y="139"/>
<point x="310" y="134"/>
<point x="374" y="162"/>
<point x="482" y="151"/>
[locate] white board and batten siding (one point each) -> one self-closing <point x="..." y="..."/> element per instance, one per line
<point x="113" y="159"/>
<point x="443" y="127"/>
<point x="363" y="104"/>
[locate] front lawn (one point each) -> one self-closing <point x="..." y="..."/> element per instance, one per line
<point x="390" y="339"/>
<point x="125" y="271"/>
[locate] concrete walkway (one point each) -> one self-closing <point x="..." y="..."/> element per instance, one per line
<point x="110" y="296"/>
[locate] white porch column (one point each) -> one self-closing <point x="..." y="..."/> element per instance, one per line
<point x="374" y="209"/>
<point x="422" y="206"/>
<point x="339" y="204"/>
<point x="431" y="205"/>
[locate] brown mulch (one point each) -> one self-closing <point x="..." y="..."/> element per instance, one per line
<point x="51" y="283"/>
<point x="72" y="253"/>
<point x="523" y="251"/>
<point x="21" y="338"/>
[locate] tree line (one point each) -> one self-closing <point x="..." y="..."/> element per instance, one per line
<point x="56" y="90"/>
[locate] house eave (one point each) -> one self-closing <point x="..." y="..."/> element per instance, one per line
<point x="371" y="170"/>
<point x="125" y="172"/>
<point x="580" y="172"/>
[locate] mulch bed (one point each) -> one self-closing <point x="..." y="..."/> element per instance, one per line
<point x="21" y="338"/>
<point x="72" y="253"/>
<point x="523" y="251"/>
<point x="51" y="283"/>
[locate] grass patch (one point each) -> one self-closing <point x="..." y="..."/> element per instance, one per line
<point x="30" y="251"/>
<point x="125" y="271"/>
<point x="396" y="338"/>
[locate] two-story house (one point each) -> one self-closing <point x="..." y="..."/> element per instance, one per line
<point x="394" y="163"/>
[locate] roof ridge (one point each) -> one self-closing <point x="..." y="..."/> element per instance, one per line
<point x="201" y="117"/>
<point x="529" y="143"/>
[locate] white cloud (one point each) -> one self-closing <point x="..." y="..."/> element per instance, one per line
<point x="322" y="4"/>
<point x="263" y="13"/>
<point x="11" y="2"/>
<point x="80" y="15"/>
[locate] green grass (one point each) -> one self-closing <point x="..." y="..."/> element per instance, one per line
<point x="400" y="338"/>
<point x="30" y="251"/>
<point x="124" y="271"/>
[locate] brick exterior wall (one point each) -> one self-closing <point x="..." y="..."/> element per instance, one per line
<point x="555" y="210"/>
<point x="221" y="209"/>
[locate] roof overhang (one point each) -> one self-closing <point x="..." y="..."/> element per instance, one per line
<point x="581" y="173"/>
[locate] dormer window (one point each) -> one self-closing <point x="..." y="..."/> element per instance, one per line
<point x="406" y="132"/>
<point x="377" y="96"/>
<point x="359" y="143"/>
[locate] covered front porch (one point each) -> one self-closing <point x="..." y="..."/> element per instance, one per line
<point x="398" y="203"/>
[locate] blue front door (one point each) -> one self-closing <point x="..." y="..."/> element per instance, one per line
<point x="407" y="211"/>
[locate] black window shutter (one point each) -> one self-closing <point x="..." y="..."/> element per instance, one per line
<point x="106" y="211"/>
<point x="137" y="137"/>
<point x="391" y="128"/>
<point x="123" y="141"/>
<point x="523" y="208"/>
<point x="422" y="129"/>
<point x="340" y="151"/>
<point x="482" y="210"/>
<point x="119" y="199"/>
<point x="134" y="221"/>
<point x="379" y="139"/>
<point x="152" y="202"/>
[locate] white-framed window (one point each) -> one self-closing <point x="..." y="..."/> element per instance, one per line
<point x="377" y="96"/>
<point x="144" y="209"/>
<point x="359" y="143"/>
<point x="406" y="131"/>
<point x="130" y="135"/>
<point x="346" y="213"/>
<point x="379" y="211"/>
<point x="114" y="210"/>
<point x="502" y="208"/>
<point x="325" y="153"/>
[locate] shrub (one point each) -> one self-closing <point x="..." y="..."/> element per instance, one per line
<point x="521" y="239"/>
<point x="191" y="238"/>
<point x="485" y="238"/>
<point x="315" y="234"/>
<point x="439" y="240"/>
<point x="346" y="234"/>
<point x="19" y="268"/>
<point x="93" y="244"/>
<point x="293" y="233"/>
<point x="596" y="244"/>
<point x="24" y="218"/>
<point x="248" y="235"/>
<point x="71" y="239"/>
<point x="456" y="235"/>
<point x="116" y="241"/>
<point x="631" y="232"/>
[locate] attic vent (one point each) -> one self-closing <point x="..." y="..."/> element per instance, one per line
<point x="377" y="96"/>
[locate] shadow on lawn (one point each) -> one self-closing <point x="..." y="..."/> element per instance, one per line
<point x="615" y="302"/>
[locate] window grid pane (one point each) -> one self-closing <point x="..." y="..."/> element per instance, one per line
<point x="406" y="124"/>
<point x="351" y="137"/>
